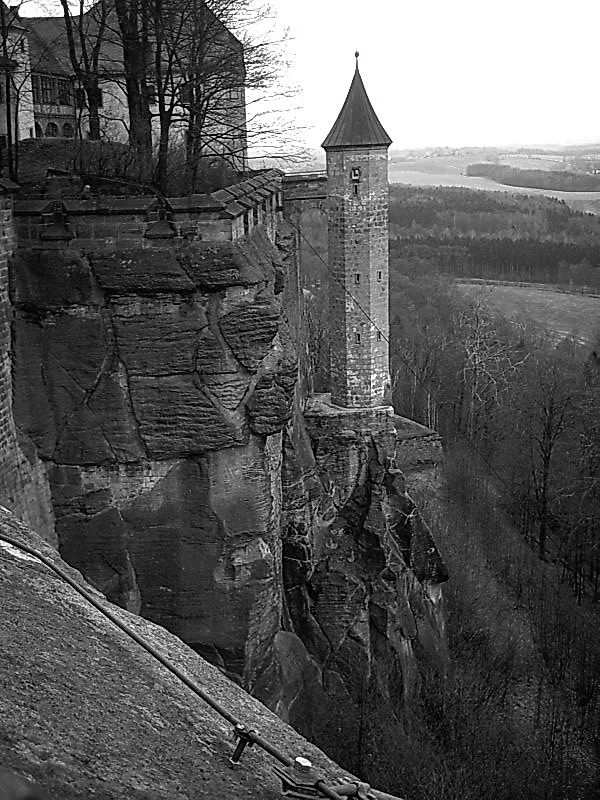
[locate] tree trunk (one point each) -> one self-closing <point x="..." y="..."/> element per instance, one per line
<point x="134" y="41"/>
<point x="161" y="171"/>
<point x="94" y="98"/>
<point x="7" y="96"/>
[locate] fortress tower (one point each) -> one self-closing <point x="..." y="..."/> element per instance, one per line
<point x="357" y="195"/>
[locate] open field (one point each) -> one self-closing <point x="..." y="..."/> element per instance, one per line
<point x="446" y="171"/>
<point x="561" y="313"/>
<point x="440" y="165"/>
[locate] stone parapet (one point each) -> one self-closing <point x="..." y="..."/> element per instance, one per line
<point x="149" y="221"/>
<point x="304" y="186"/>
<point x="415" y="449"/>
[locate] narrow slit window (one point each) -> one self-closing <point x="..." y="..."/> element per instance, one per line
<point x="379" y="337"/>
<point x="357" y="277"/>
<point x="357" y="338"/>
<point x="379" y="275"/>
<point x="356" y="188"/>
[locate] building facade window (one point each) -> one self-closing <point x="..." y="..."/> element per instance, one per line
<point x="186" y="94"/>
<point x="65" y="97"/>
<point x="80" y="97"/>
<point x="48" y="90"/>
<point x="36" y="88"/>
<point x="52" y="129"/>
<point x="67" y="131"/>
<point x="357" y="277"/>
<point x="357" y="338"/>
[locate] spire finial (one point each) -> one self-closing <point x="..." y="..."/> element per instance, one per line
<point x="356" y="55"/>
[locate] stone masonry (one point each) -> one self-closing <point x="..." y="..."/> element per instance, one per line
<point x="357" y="178"/>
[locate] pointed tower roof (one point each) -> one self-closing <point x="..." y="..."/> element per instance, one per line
<point x="357" y="124"/>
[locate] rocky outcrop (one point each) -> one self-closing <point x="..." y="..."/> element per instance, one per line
<point x="86" y="712"/>
<point x="362" y="587"/>
<point x="155" y="385"/>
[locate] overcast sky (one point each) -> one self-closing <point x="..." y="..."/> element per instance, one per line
<point x="452" y="72"/>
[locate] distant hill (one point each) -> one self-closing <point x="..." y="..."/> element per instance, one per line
<point x="562" y="181"/>
<point x="493" y="235"/>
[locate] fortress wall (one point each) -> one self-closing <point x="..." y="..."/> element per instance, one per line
<point x="54" y="226"/>
<point x="154" y="371"/>
<point x="144" y="221"/>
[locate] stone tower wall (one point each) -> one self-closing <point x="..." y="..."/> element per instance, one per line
<point x="358" y="258"/>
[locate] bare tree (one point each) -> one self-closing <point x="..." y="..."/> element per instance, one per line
<point x="133" y="29"/>
<point x="85" y="38"/>
<point x="206" y="59"/>
<point x="15" y="76"/>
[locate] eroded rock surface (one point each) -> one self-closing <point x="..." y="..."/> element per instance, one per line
<point x="154" y="385"/>
<point x="87" y="713"/>
<point x="362" y="589"/>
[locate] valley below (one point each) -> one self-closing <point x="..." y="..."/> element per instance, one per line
<point x="451" y="170"/>
<point x="561" y="314"/>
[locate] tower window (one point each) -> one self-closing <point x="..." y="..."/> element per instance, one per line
<point x="355" y="174"/>
<point x="356" y="188"/>
<point x="379" y="337"/>
<point x="357" y="277"/>
<point x="357" y="338"/>
<point x="379" y="275"/>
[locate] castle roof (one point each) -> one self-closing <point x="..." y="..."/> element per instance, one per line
<point x="357" y="124"/>
<point x="48" y="45"/>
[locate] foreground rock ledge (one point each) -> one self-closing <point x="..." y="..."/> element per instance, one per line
<point x="87" y="713"/>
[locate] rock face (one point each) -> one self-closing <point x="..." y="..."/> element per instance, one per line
<point x="87" y="713"/>
<point x="155" y="385"/>
<point x="362" y="587"/>
<point x="193" y="481"/>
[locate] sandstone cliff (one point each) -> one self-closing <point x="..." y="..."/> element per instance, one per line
<point x="155" y="385"/>
<point x="194" y="481"/>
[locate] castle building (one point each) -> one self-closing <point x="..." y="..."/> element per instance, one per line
<point x="52" y="102"/>
<point x="357" y="201"/>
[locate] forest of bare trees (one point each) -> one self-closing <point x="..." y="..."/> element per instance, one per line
<point x="520" y="522"/>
